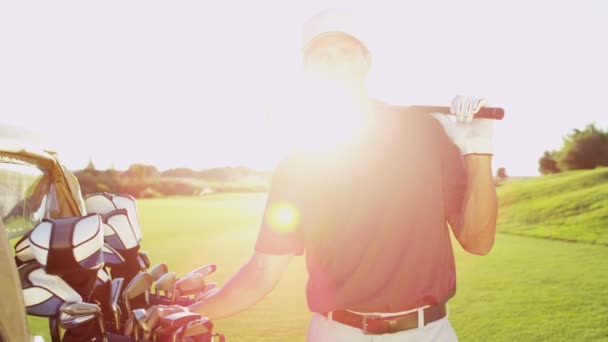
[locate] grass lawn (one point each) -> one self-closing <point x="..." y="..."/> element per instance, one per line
<point x="527" y="289"/>
<point x="570" y="206"/>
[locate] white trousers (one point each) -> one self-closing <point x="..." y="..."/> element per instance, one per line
<point x="322" y="329"/>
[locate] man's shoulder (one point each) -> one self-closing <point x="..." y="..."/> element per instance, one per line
<point x="404" y="117"/>
<point x="295" y="160"/>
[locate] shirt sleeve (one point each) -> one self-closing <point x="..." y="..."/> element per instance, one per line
<point x="280" y="232"/>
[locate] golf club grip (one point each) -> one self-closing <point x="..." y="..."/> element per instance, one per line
<point x="486" y="113"/>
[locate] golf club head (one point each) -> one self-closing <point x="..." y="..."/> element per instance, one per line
<point x="140" y="319"/>
<point x="172" y="326"/>
<point x="206" y="294"/>
<point x="115" y="290"/>
<point x="102" y="277"/>
<point x="165" y="282"/>
<point x="158" y="270"/>
<point x="198" y="327"/>
<point x="74" y="314"/>
<point x="139" y="324"/>
<point x="204" y="270"/>
<point x="144" y="261"/>
<point x="189" y="285"/>
<point x="179" y="319"/>
<point x="80" y="308"/>
<point x="207" y="290"/>
<point x="140" y="284"/>
<point x="68" y="321"/>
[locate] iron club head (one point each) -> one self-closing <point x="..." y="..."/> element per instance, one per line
<point x="190" y="284"/>
<point x="74" y="314"/>
<point x="158" y="270"/>
<point x="144" y="261"/>
<point x="138" y="285"/>
<point x="198" y="327"/>
<point x="204" y="270"/>
<point x="140" y="327"/>
<point x="209" y="289"/>
<point x="115" y="289"/>
<point x="165" y="283"/>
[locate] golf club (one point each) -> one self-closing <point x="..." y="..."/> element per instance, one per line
<point x="167" y="333"/>
<point x="203" y="270"/>
<point x="158" y="270"/>
<point x="175" y="334"/>
<point x="165" y="283"/>
<point x="54" y="327"/>
<point x="209" y="289"/>
<point x="190" y="284"/>
<point x="140" y="327"/>
<point x="485" y="113"/>
<point x="116" y="288"/>
<point x="175" y="324"/>
<point x="140" y="284"/>
<point x="143" y="260"/>
<point x="78" y="313"/>
<point x="198" y="327"/>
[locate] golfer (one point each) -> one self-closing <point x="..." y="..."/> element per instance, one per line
<point x="373" y="215"/>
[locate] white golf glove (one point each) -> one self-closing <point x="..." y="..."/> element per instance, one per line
<point x="471" y="136"/>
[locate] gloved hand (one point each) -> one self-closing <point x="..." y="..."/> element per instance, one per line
<point x="471" y="136"/>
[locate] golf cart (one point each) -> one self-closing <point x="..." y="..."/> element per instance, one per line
<point x="33" y="186"/>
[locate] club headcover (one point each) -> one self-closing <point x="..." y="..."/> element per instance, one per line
<point x="44" y="293"/>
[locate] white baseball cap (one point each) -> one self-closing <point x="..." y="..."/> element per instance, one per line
<point x="330" y="21"/>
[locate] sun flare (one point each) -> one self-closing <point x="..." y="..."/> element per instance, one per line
<point x="322" y="119"/>
<point x="284" y="217"/>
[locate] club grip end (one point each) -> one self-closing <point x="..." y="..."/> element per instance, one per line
<point x="491" y="113"/>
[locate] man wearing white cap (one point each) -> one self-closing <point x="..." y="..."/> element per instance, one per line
<point x="373" y="217"/>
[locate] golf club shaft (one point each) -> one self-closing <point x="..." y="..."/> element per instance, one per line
<point x="117" y="320"/>
<point x="485" y="113"/>
<point x="102" y="328"/>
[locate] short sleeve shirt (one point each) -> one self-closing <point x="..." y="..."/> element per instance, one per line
<point x="371" y="218"/>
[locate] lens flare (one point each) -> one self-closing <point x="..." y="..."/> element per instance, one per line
<point x="284" y="217"/>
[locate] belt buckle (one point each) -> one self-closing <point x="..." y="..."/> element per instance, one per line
<point x="365" y="324"/>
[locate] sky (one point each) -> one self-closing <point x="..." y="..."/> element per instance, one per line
<point x="195" y="83"/>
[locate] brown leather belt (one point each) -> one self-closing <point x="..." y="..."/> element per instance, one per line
<point x="376" y="325"/>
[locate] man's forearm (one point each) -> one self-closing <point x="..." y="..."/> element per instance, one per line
<point x="481" y="206"/>
<point x="247" y="287"/>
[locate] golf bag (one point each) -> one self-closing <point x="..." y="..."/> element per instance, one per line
<point x="63" y="278"/>
<point x="70" y="248"/>
<point x="44" y="294"/>
<point x="122" y="233"/>
<point x="121" y="230"/>
<point x="23" y="251"/>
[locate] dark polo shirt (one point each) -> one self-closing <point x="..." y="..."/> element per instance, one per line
<point x="372" y="217"/>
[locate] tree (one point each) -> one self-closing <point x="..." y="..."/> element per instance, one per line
<point x="501" y="173"/>
<point x="586" y="149"/>
<point x="548" y="163"/>
<point x="180" y="173"/>
<point x="90" y="166"/>
<point x="141" y="171"/>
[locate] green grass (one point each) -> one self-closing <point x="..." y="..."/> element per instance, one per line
<point x="570" y="206"/>
<point x="525" y="289"/>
